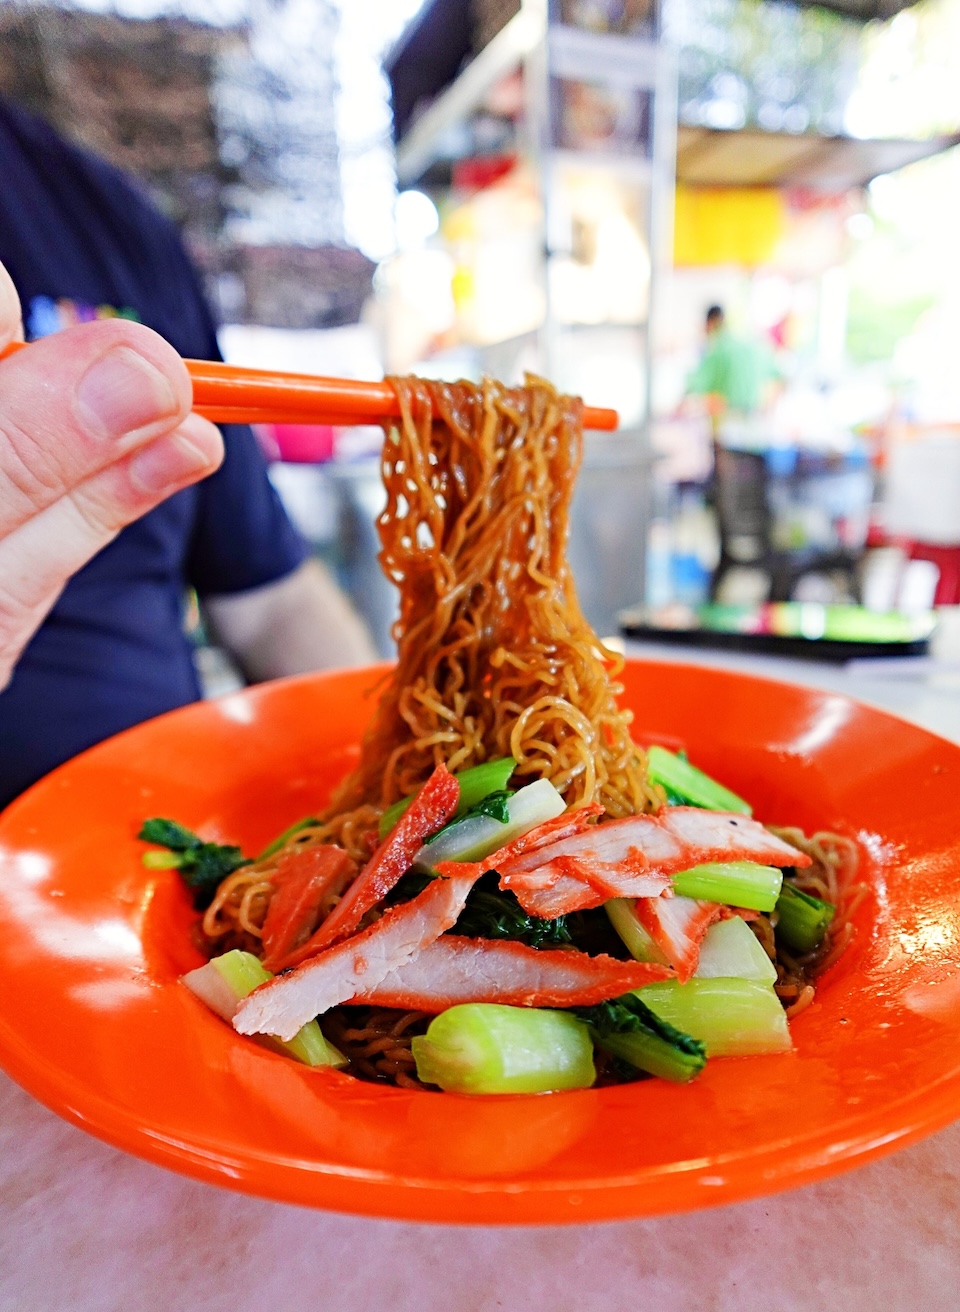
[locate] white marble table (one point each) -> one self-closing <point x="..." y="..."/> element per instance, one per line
<point x="85" y="1228"/>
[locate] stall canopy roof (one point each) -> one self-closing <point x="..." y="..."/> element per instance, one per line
<point x="707" y="157"/>
<point x="439" y="40"/>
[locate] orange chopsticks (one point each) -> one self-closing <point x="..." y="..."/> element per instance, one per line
<point x="227" y="393"/>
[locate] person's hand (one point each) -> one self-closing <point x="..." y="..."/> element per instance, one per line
<point x="95" y="430"/>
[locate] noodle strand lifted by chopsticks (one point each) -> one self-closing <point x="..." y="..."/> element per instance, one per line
<point x="495" y="657"/>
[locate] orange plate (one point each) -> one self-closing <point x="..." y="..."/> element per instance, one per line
<point x="94" y="1023"/>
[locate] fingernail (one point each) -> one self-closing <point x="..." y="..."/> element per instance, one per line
<point x="169" y="463"/>
<point x="122" y="392"/>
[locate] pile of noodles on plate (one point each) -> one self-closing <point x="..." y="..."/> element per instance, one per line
<point x="494" y="659"/>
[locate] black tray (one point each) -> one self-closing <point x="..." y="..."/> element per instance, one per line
<point x="775" y="629"/>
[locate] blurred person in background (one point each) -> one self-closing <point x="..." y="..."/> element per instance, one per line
<point x="82" y="244"/>
<point x="736" y="377"/>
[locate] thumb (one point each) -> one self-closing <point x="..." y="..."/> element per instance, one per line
<point x="11" y="325"/>
<point x="76" y="402"/>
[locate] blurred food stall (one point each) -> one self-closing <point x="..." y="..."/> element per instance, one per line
<point x="787" y="151"/>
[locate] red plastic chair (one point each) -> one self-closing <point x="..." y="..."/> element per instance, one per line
<point x="947" y="561"/>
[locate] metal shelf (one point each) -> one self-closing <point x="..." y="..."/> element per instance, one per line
<point x="550" y="55"/>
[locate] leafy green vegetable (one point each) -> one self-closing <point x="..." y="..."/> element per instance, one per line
<point x="407" y="887"/>
<point x="202" y="865"/>
<point x="628" y="1029"/>
<point x="168" y="833"/>
<point x="209" y="863"/>
<point x="493" y="805"/>
<point x="490" y="913"/>
<point x="495" y="914"/>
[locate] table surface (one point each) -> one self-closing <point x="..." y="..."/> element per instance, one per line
<point x="85" y="1227"/>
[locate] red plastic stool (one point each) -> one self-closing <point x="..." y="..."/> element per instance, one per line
<point x="947" y="561"/>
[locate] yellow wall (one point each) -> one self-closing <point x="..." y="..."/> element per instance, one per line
<point x="727" y="225"/>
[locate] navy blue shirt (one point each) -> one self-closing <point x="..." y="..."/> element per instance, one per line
<point x="81" y="242"/>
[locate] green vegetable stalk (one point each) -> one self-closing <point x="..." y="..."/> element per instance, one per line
<point x="802" y="920"/>
<point x="226" y="980"/>
<point x="686" y="784"/>
<point x="483" y="1047"/>
<point x="495" y="821"/>
<point x="202" y="866"/>
<point x="281" y="839"/>
<point x="733" y="883"/>
<point x="476" y="783"/>
<point x="638" y="942"/>
<point x="732" y="1017"/>
<point x="731" y="950"/>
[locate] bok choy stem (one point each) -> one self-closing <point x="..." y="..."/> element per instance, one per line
<point x="476" y="783"/>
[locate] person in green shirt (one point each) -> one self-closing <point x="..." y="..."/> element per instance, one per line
<point x="734" y="375"/>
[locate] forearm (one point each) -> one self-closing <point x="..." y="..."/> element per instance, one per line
<point x="302" y="622"/>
